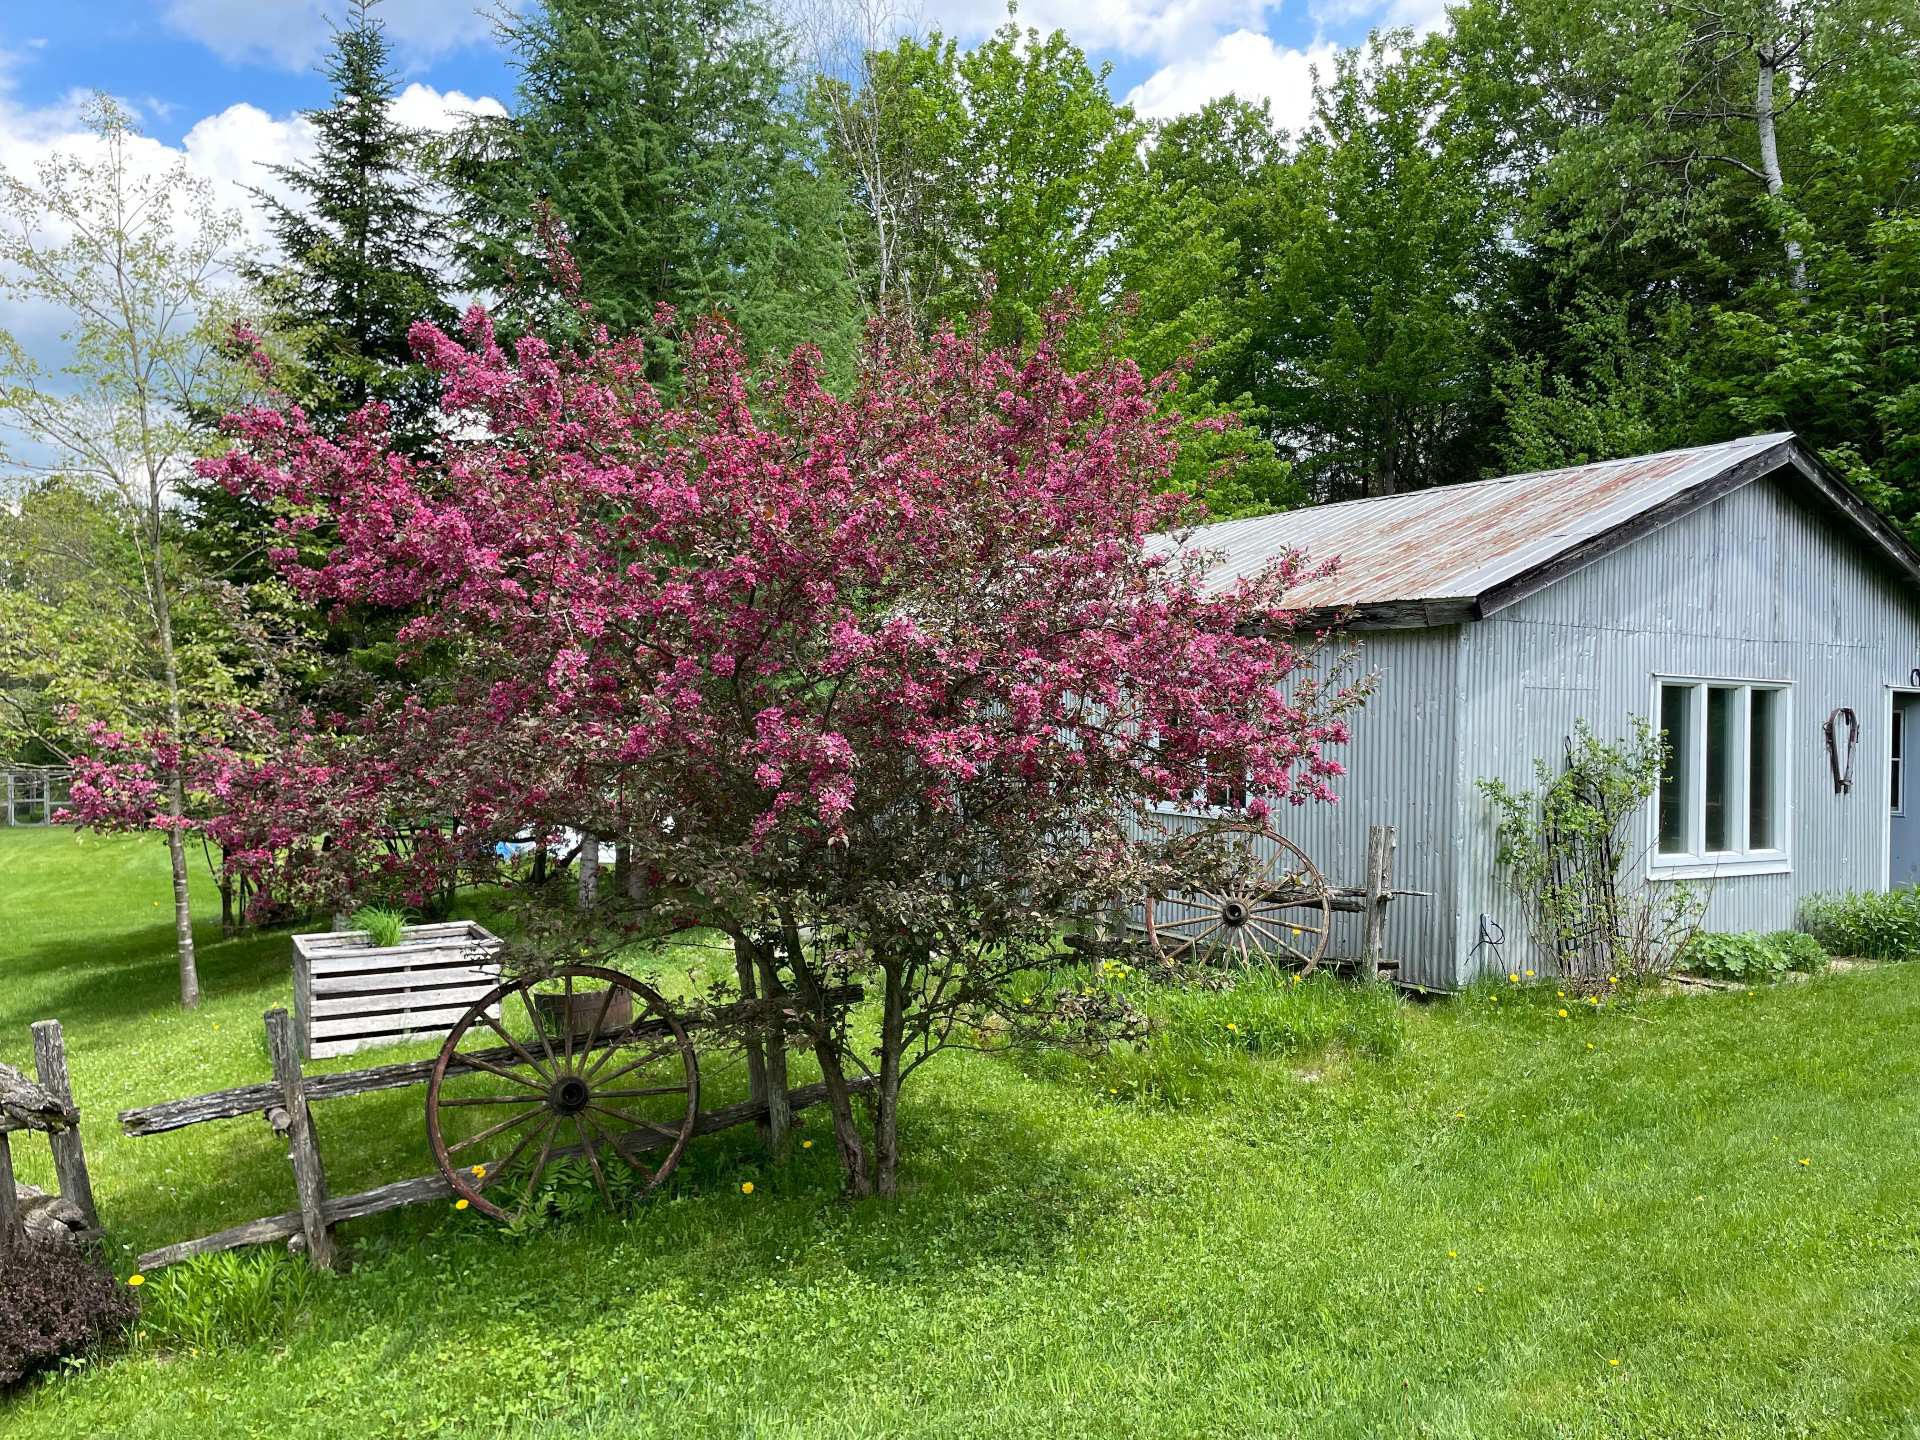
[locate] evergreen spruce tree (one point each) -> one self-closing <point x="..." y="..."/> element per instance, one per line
<point x="664" y="137"/>
<point x="357" y="244"/>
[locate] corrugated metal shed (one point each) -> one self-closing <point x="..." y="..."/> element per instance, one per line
<point x="1450" y="547"/>
<point x="1501" y="615"/>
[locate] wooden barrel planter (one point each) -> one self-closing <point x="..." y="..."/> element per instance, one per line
<point x="577" y="1014"/>
<point x="350" y="994"/>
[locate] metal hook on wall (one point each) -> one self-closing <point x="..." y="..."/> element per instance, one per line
<point x="1843" y="769"/>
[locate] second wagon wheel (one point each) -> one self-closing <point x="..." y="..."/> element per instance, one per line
<point x="583" y="1064"/>
<point x="1270" y="903"/>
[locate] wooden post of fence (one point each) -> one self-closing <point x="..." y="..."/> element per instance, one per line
<point x="10" y="1231"/>
<point x="309" y="1175"/>
<point x="69" y="1154"/>
<point x="1380" y="843"/>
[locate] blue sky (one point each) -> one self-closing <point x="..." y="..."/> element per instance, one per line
<point x="180" y="61"/>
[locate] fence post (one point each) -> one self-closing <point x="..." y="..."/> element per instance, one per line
<point x="1380" y="843"/>
<point x="69" y="1154"/>
<point x="309" y="1175"/>
<point x="10" y="1231"/>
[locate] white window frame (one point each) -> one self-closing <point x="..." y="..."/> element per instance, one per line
<point x="1897" y="756"/>
<point x="1698" y="862"/>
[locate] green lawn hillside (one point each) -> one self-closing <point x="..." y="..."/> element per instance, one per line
<point x="1299" y="1210"/>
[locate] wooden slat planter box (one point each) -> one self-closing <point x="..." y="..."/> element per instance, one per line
<point x="350" y="995"/>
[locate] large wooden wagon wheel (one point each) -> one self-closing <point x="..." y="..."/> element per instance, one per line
<point x="1272" y="905"/>
<point x="585" y="1063"/>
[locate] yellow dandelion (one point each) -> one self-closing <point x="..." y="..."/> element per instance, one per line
<point x="1459" y="1114"/>
<point x="1514" y="978"/>
<point x="1806" y="1162"/>
<point x="1589" y="1044"/>
<point x="479" y="1172"/>
<point x="1563" y="1012"/>
<point x="1232" y="1028"/>
<point x="1453" y="1254"/>
<point x="1529" y="974"/>
<point x="136" y="1280"/>
<point x="1613" y="1362"/>
<point x="746" y="1187"/>
<point x="1296" y="930"/>
<point x="1613" y="979"/>
<point x="806" y="1144"/>
<point x="461" y="1203"/>
<point x="1593" y="999"/>
<point x="1479" y="1289"/>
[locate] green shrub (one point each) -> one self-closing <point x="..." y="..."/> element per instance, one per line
<point x="1804" y="953"/>
<point x="384" y="926"/>
<point x="1871" y="925"/>
<point x="1742" y="955"/>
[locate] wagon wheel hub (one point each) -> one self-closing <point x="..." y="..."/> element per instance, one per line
<point x="1234" y="913"/>
<point x="570" y="1095"/>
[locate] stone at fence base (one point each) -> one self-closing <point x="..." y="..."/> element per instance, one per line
<point x="50" y="1217"/>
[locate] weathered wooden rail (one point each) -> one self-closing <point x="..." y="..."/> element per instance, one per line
<point x="44" y="1106"/>
<point x="286" y="1104"/>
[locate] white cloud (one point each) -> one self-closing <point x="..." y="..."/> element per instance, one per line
<point x="1162" y="28"/>
<point x="233" y="150"/>
<point x="295" y="33"/>
<point x="1244" y="63"/>
<point x="1420" y="16"/>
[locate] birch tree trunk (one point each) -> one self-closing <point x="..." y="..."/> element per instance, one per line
<point x="1763" y="116"/>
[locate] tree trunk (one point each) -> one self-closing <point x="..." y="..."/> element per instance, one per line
<point x="779" y="1108"/>
<point x="826" y="1049"/>
<point x="1770" y="157"/>
<point x="176" y="792"/>
<point x="743" y="969"/>
<point x="886" y="1125"/>
<point x="182" y="907"/>
<point x="589" y="871"/>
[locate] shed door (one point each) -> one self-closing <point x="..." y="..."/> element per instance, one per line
<point x="1903" y="830"/>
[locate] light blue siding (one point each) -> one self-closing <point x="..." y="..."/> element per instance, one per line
<point x="1758" y="585"/>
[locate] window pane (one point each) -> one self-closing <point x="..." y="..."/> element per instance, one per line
<point x="1763" y="773"/>
<point x="1899" y="754"/>
<point x="1723" y="743"/>
<point x="1677" y="783"/>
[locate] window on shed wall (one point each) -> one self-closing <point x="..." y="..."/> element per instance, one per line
<point x="1899" y="759"/>
<point x="1723" y="792"/>
<point x="1226" y="787"/>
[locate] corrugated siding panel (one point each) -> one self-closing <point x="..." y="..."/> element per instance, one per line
<point x="1756" y="586"/>
<point x="1401" y="773"/>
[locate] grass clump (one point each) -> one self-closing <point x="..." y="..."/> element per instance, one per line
<point x="385" y="926"/>
<point x="1869" y="925"/>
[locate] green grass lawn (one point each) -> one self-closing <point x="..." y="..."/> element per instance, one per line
<point x="1344" y="1217"/>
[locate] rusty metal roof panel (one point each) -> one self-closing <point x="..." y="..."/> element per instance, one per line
<point x="1456" y="542"/>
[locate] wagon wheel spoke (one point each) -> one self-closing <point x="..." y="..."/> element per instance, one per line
<point x="1209" y="917"/>
<point x="1281" y="943"/>
<point x="493" y="1130"/>
<point x="647" y="1059"/>
<point x="491" y="1173"/>
<point x="637" y="1121"/>
<point x="487" y="1065"/>
<point x="513" y="1045"/>
<point x="599" y="1019"/>
<point x="1193" y="945"/>
<point x="644" y="1090"/>
<point x="539" y="1030"/>
<point x="458" y="1100"/>
<point x="588" y="1146"/>
<point x="539" y="1166"/>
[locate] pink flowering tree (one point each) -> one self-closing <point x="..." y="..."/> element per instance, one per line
<point x="876" y="684"/>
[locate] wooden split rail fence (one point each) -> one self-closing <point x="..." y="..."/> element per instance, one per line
<point x="286" y="1104"/>
<point x="44" y="1106"/>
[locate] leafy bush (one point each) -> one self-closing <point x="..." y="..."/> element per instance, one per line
<point x="1804" y="953"/>
<point x="54" y="1303"/>
<point x="1872" y="925"/>
<point x="1742" y="955"/>
<point x="385" y="927"/>
<point x="1566" y="849"/>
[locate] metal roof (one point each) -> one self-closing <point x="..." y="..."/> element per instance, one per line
<point x="1447" y="547"/>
